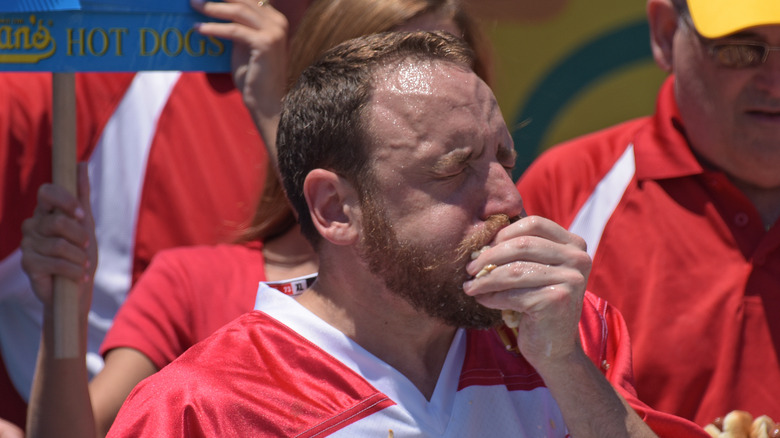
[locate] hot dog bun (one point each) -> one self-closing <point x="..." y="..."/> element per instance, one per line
<point x="740" y="424"/>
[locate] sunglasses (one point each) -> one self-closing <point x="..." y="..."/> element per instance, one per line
<point x="739" y="54"/>
<point x="731" y="53"/>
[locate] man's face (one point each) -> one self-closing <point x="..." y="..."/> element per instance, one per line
<point x="731" y="115"/>
<point x="442" y="157"/>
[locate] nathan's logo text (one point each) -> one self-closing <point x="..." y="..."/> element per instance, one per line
<point x="24" y="43"/>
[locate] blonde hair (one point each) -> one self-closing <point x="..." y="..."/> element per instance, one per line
<point x="328" y="23"/>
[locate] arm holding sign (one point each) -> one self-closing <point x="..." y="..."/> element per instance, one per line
<point x="259" y="59"/>
<point x="59" y="240"/>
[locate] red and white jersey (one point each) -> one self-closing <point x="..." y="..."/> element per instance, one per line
<point x="174" y="159"/>
<point x="282" y="371"/>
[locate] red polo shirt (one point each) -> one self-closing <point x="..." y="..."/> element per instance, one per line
<point x="684" y="256"/>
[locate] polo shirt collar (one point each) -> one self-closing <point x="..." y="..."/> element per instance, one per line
<point x="661" y="149"/>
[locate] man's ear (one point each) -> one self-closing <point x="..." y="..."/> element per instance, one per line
<point x="333" y="204"/>
<point x="663" y="20"/>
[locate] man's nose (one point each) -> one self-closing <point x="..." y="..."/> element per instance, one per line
<point x="770" y="72"/>
<point x="502" y="194"/>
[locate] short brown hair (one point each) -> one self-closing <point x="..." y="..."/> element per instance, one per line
<point x="322" y="123"/>
<point x="329" y="22"/>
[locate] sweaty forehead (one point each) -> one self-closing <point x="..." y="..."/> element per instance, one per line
<point x="414" y="94"/>
<point x="424" y="78"/>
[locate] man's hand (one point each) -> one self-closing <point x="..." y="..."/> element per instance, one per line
<point x="541" y="272"/>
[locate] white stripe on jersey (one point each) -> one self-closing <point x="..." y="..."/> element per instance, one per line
<point x="116" y="170"/>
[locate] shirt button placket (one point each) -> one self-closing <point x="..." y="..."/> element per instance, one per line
<point x="741" y="220"/>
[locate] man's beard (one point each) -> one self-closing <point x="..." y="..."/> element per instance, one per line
<point x="428" y="278"/>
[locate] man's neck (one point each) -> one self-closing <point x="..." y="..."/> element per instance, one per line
<point x="385" y="325"/>
<point x="765" y="200"/>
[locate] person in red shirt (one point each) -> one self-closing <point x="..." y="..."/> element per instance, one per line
<point x="680" y="211"/>
<point x="151" y="139"/>
<point x="187" y="293"/>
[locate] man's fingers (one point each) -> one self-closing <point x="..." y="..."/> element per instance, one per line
<point x="524" y="275"/>
<point x="540" y="227"/>
<point x="531" y="251"/>
<point x="530" y="300"/>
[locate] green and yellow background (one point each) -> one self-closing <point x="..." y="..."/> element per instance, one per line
<point x="568" y="67"/>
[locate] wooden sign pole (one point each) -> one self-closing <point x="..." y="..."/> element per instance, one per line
<point x="66" y="340"/>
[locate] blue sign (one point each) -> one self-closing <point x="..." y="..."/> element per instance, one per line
<point x="108" y="35"/>
<point x="39" y="5"/>
<point x="132" y="6"/>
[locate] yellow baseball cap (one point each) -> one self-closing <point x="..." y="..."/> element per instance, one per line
<point x="717" y="18"/>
